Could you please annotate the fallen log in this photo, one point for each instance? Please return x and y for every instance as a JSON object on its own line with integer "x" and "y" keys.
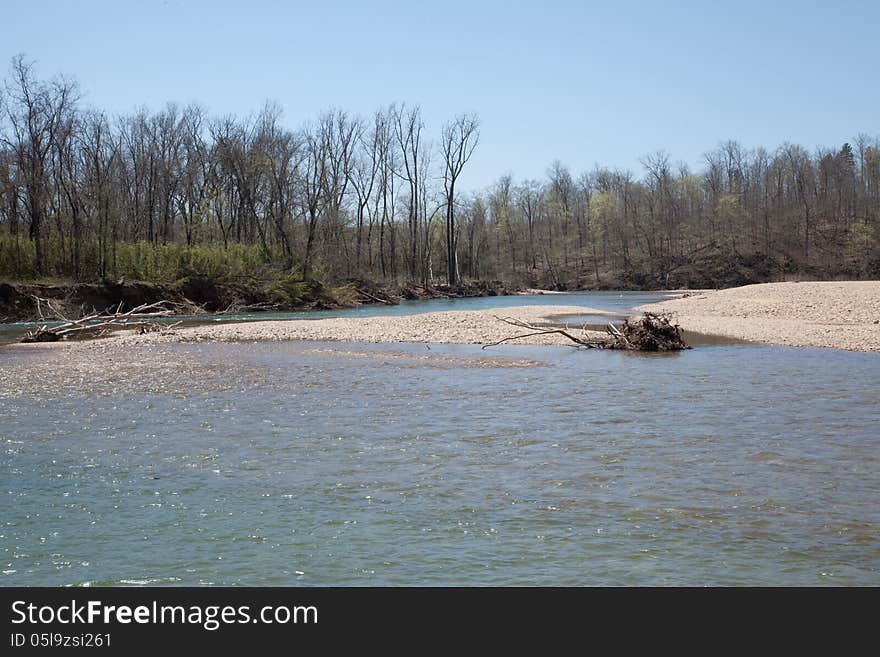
{"x": 238, "y": 309}
{"x": 95, "y": 324}
{"x": 374, "y": 298}
{"x": 538, "y": 330}
{"x": 650, "y": 333}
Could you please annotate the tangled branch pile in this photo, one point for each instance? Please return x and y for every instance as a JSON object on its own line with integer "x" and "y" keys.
{"x": 96, "y": 324}
{"x": 650, "y": 333}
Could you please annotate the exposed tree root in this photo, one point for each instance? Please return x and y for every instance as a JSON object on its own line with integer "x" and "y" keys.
{"x": 650, "y": 333}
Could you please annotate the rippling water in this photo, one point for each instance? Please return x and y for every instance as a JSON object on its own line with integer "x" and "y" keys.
{"x": 391, "y": 464}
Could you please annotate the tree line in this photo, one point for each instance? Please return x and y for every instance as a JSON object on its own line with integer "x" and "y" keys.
{"x": 748, "y": 216}
{"x": 178, "y": 192}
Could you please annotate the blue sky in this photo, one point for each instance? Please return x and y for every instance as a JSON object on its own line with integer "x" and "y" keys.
{"x": 583, "y": 82}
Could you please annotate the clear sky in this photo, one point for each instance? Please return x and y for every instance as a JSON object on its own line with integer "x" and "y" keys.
{"x": 583, "y": 82}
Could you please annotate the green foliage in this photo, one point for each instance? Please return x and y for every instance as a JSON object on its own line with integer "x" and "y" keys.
{"x": 862, "y": 237}
{"x": 17, "y": 257}
{"x": 603, "y": 209}
{"x": 345, "y": 295}
{"x": 691, "y": 187}
{"x": 154, "y": 263}
{"x": 603, "y": 206}
{"x": 164, "y": 263}
{"x": 291, "y": 290}
{"x": 732, "y": 216}
{"x": 863, "y": 246}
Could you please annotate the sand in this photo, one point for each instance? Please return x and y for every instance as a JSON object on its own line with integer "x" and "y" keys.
{"x": 840, "y": 315}
{"x": 448, "y": 327}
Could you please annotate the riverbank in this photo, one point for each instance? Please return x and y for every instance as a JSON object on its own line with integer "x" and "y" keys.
{"x": 475, "y": 327}
{"x": 204, "y": 296}
{"x": 839, "y": 315}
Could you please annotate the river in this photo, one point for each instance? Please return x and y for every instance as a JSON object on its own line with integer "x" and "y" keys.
{"x": 352, "y": 464}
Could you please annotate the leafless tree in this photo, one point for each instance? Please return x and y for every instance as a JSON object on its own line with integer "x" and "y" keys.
{"x": 458, "y": 141}
{"x": 84, "y": 195}
{"x": 36, "y": 111}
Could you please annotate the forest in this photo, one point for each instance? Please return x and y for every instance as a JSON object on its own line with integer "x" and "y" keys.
{"x": 179, "y": 193}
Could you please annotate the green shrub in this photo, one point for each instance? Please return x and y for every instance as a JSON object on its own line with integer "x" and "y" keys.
{"x": 290, "y": 289}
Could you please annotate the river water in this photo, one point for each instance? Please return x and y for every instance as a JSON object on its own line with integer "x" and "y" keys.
{"x": 352, "y": 464}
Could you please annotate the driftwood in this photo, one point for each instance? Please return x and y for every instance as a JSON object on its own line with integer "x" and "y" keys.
{"x": 237, "y": 308}
{"x": 374, "y": 298}
{"x": 538, "y": 330}
{"x": 97, "y": 323}
{"x": 650, "y": 333}
{"x": 154, "y": 327}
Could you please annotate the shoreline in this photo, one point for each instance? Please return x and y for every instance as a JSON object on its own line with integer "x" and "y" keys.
{"x": 126, "y": 361}
{"x": 475, "y": 327}
{"x": 838, "y": 315}
{"x": 195, "y": 296}
{"x": 463, "y": 327}
{"x": 835, "y": 315}
{"x": 17, "y": 306}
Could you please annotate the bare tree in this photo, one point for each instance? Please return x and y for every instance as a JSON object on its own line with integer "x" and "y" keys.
{"x": 363, "y": 180}
{"x": 195, "y": 162}
{"x": 339, "y": 134}
{"x": 100, "y": 152}
{"x": 458, "y": 141}
{"x": 84, "y": 195}
{"x": 408, "y": 127}
{"x": 36, "y": 112}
